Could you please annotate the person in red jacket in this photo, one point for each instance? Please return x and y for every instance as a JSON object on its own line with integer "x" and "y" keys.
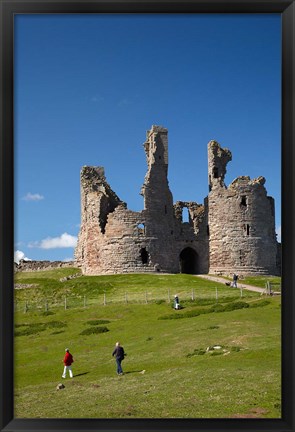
{"x": 68, "y": 360}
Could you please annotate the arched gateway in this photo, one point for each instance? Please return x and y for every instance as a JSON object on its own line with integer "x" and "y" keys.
{"x": 188, "y": 260}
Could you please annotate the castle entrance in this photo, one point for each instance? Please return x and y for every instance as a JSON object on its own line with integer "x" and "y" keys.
{"x": 188, "y": 260}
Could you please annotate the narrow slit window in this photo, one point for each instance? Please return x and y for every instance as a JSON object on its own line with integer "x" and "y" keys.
{"x": 215, "y": 172}
{"x": 248, "y": 229}
{"x": 244, "y": 201}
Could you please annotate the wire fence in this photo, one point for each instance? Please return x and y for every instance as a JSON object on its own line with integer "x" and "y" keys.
{"x": 104, "y": 299}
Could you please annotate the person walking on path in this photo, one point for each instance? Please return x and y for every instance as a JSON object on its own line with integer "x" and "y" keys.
{"x": 235, "y": 280}
{"x": 68, "y": 360}
{"x": 119, "y": 354}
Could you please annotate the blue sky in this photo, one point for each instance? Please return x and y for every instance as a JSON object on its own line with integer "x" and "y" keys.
{"x": 88, "y": 87}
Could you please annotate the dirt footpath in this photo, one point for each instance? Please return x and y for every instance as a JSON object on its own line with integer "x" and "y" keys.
{"x": 240, "y": 283}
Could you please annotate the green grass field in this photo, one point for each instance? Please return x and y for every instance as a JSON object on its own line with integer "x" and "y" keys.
{"x": 171, "y": 369}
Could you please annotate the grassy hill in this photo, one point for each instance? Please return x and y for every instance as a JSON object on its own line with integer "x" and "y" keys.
{"x": 220, "y": 347}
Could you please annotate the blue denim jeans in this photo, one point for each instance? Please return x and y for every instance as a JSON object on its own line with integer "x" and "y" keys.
{"x": 119, "y": 367}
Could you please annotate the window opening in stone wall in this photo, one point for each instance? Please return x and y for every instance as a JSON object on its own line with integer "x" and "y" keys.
{"x": 208, "y": 231}
{"x": 144, "y": 255}
{"x": 244, "y": 201}
{"x": 165, "y": 209}
{"x": 248, "y": 229}
{"x": 141, "y": 228}
{"x": 215, "y": 172}
{"x": 185, "y": 215}
{"x": 106, "y": 207}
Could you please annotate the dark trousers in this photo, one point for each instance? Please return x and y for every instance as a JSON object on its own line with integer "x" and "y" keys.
{"x": 119, "y": 367}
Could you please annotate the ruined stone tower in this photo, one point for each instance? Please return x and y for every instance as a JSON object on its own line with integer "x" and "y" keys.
{"x": 241, "y": 221}
{"x": 227, "y": 233}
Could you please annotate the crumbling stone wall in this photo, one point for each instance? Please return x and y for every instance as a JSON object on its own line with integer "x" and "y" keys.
{"x": 192, "y": 237}
{"x": 227, "y": 233}
{"x": 241, "y": 221}
{"x": 114, "y": 239}
{"x": 98, "y": 201}
{"x": 28, "y": 266}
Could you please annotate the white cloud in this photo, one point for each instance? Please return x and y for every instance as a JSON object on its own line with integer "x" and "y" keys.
{"x": 19, "y": 255}
{"x": 279, "y": 233}
{"x": 33, "y": 197}
{"x": 64, "y": 241}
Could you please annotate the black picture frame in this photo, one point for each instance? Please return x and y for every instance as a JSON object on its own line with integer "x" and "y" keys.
{"x": 8, "y": 8}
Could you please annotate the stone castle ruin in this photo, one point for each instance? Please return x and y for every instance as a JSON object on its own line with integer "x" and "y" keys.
{"x": 233, "y": 231}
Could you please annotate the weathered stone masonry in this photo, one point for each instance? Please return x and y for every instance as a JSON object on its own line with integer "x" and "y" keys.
{"x": 234, "y": 230}
{"x": 241, "y": 221}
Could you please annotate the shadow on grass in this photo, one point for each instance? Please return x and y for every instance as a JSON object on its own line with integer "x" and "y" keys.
{"x": 84, "y": 373}
{"x": 129, "y": 372}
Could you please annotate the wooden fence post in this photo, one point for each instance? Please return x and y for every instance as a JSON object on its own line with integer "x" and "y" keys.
{"x": 268, "y": 288}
